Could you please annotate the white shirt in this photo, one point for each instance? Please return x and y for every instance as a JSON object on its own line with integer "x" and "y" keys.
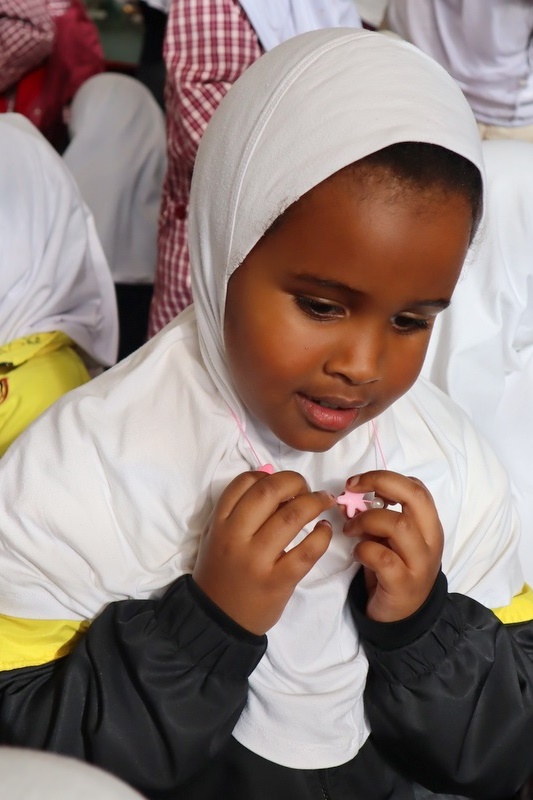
{"x": 484, "y": 44}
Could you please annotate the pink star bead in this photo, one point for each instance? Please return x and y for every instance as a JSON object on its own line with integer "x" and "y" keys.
{"x": 354, "y": 501}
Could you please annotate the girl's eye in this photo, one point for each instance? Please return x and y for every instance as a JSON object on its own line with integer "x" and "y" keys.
{"x": 318, "y": 309}
{"x": 406, "y": 324}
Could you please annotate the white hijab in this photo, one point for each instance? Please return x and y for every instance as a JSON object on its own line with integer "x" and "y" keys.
{"x": 488, "y": 330}
{"x": 274, "y": 21}
{"x": 118, "y": 157}
{"x": 350, "y": 103}
{"x": 53, "y": 272}
{"x": 135, "y": 460}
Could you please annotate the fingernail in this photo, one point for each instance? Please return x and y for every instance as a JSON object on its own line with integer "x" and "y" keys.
{"x": 352, "y": 482}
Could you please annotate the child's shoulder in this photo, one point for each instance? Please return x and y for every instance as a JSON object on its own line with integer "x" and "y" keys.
{"x": 168, "y": 368}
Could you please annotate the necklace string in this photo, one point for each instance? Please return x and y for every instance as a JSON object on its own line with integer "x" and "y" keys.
{"x": 268, "y": 468}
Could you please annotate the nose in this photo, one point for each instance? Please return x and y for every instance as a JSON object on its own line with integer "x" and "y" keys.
{"x": 358, "y": 356}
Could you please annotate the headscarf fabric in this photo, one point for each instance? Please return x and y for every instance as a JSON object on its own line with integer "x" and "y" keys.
{"x": 118, "y": 157}
{"x": 53, "y": 273}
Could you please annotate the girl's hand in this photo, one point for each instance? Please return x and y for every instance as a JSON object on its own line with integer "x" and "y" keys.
{"x": 400, "y": 552}
{"x": 242, "y": 564}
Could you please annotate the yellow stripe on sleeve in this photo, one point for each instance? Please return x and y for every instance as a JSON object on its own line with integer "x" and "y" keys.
{"x": 520, "y": 609}
{"x": 31, "y": 642}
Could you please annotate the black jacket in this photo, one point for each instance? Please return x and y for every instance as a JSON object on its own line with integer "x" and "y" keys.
{"x": 154, "y": 688}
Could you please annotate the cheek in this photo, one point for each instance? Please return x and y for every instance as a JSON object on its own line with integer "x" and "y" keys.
{"x": 404, "y": 367}
{"x": 274, "y": 345}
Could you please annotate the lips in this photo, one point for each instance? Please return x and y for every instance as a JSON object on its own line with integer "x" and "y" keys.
{"x": 329, "y": 413}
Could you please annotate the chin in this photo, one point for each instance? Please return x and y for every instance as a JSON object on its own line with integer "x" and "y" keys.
{"x": 317, "y": 442}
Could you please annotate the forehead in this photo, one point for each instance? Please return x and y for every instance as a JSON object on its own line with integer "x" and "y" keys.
{"x": 361, "y": 232}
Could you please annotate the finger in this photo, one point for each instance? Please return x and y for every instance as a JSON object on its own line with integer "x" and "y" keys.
{"x": 235, "y": 491}
{"x": 300, "y": 560}
{"x": 290, "y": 518}
{"x": 415, "y": 498}
{"x": 394, "y": 530}
{"x": 383, "y": 562}
{"x": 261, "y": 499}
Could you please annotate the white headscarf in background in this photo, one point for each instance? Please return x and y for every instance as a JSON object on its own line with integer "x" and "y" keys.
{"x": 481, "y": 351}
{"x": 118, "y": 157}
{"x": 274, "y": 21}
{"x": 136, "y": 459}
{"x": 53, "y": 272}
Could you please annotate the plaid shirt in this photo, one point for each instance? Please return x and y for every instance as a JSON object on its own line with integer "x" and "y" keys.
{"x": 209, "y": 43}
{"x": 26, "y": 38}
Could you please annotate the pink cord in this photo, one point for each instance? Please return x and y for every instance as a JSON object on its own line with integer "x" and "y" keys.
{"x": 268, "y": 468}
{"x": 378, "y": 443}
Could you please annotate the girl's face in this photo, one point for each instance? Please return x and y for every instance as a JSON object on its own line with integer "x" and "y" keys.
{"x": 329, "y": 317}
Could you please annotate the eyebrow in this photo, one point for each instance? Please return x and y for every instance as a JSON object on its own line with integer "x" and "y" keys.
{"x": 440, "y": 303}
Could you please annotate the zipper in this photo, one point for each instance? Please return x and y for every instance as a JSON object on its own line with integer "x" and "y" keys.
{"x": 322, "y": 778}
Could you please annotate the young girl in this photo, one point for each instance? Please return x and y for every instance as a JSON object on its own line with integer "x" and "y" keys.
{"x": 184, "y": 505}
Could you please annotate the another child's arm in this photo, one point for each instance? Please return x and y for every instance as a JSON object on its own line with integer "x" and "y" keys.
{"x": 449, "y": 695}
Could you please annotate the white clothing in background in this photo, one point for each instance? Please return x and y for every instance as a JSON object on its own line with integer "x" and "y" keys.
{"x": 53, "y": 272}
{"x": 371, "y": 11}
{"x": 481, "y": 352}
{"x": 159, "y": 5}
{"x": 277, "y": 20}
{"x": 33, "y": 775}
{"x": 118, "y": 157}
{"x": 150, "y": 445}
{"x": 486, "y": 45}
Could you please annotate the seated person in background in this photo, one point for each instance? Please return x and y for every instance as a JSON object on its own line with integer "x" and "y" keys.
{"x": 487, "y": 46}
{"x": 58, "y": 319}
{"x": 208, "y": 45}
{"x": 117, "y": 153}
{"x": 48, "y": 48}
{"x": 481, "y": 352}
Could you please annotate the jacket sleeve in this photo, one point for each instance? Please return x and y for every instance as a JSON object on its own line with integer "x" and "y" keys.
{"x": 151, "y": 692}
{"x": 449, "y": 694}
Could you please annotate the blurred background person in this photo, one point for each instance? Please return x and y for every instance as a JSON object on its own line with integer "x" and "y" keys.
{"x": 58, "y": 318}
{"x": 117, "y": 153}
{"x": 487, "y": 46}
{"x": 48, "y": 48}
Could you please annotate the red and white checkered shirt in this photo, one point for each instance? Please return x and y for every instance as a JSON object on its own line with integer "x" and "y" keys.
{"x": 209, "y": 44}
{"x": 26, "y": 38}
